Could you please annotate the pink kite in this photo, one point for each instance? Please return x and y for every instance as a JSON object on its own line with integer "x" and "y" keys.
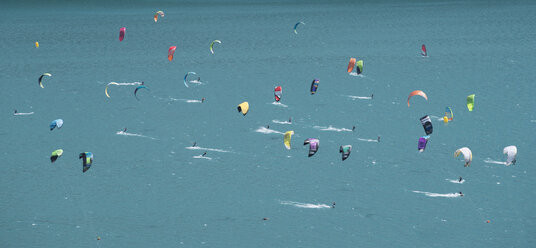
{"x": 122, "y": 33}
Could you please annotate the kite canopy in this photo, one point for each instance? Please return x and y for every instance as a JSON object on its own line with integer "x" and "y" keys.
{"x": 212, "y": 45}
{"x": 243, "y": 108}
{"x": 186, "y": 76}
{"x": 422, "y": 143}
{"x": 87, "y": 160}
{"x": 417, "y": 93}
{"x": 427, "y": 124}
{"x": 41, "y": 78}
{"x": 314, "y": 86}
{"x": 106, "y": 89}
{"x": 351, "y": 65}
{"x": 359, "y": 67}
{"x": 511, "y": 153}
{"x": 170, "y": 52}
{"x": 467, "y": 155}
{"x": 56, "y": 124}
{"x": 345, "y": 150}
{"x": 278, "y": 91}
{"x": 136, "y": 91}
{"x": 423, "y": 50}
{"x": 122, "y": 33}
{"x": 470, "y": 102}
{"x": 36, "y": 44}
{"x": 296, "y": 26}
{"x": 55, "y": 155}
{"x": 160, "y": 12}
{"x": 449, "y": 115}
{"x": 286, "y": 139}
{"x": 313, "y": 145}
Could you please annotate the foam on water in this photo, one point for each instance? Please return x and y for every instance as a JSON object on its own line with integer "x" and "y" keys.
{"x": 186, "y": 100}
{"x": 279, "y": 104}
{"x": 448, "y": 195}
{"x": 267, "y": 130}
{"x": 30, "y": 113}
{"x": 304, "y": 205}
{"x": 281, "y": 122}
{"x": 368, "y": 140}
{"x": 455, "y": 180}
{"x": 331, "y": 128}
{"x": 206, "y": 149}
{"x": 490, "y": 161}
{"x": 202, "y": 157}
{"x": 361, "y": 97}
{"x": 133, "y": 135}
{"x": 133, "y": 83}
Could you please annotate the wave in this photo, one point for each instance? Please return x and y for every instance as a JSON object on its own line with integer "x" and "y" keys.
{"x": 133, "y": 134}
{"x": 206, "y": 149}
{"x": 490, "y": 161}
{"x": 203, "y": 157}
{"x": 267, "y": 130}
{"x": 455, "y": 180}
{"x": 448, "y": 195}
{"x": 279, "y": 104}
{"x": 304, "y": 205}
{"x": 31, "y": 113}
{"x": 361, "y": 97}
{"x": 331, "y": 128}
{"x": 368, "y": 140}
{"x": 281, "y": 122}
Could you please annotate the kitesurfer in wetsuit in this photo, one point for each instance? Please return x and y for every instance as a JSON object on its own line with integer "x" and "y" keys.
{"x": 353, "y": 128}
{"x": 267, "y": 126}
{"x": 15, "y": 111}
{"x": 290, "y": 119}
{"x": 333, "y": 205}
{"x": 460, "y": 180}
{"x": 461, "y": 194}
{"x": 195, "y": 143}
{"x": 124, "y": 130}
{"x": 205, "y": 153}
{"x": 372, "y": 96}
{"x": 142, "y": 83}
{"x": 378, "y": 138}
{"x": 202, "y": 100}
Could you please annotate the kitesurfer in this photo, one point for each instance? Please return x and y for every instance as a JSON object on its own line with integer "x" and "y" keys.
{"x": 142, "y": 83}
{"x": 195, "y": 143}
{"x": 202, "y": 100}
{"x": 204, "y": 153}
{"x": 333, "y": 205}
{"x": 198, "y": 79}
{"x": 378, "y": 138}
{"x": 15, "y": 111}
{"x": 267, "y": 126}
{"x": 372, "y": 96}
{"x": 461, "y": 194}
{"x": 290, "y": 119}
{"x": 353, "y": 128}
{"x": 125, "y": 130}
{"x": 460, "y": 180}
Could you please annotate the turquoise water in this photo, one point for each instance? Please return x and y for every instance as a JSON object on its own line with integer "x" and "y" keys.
{"x": 145, "y": 189}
